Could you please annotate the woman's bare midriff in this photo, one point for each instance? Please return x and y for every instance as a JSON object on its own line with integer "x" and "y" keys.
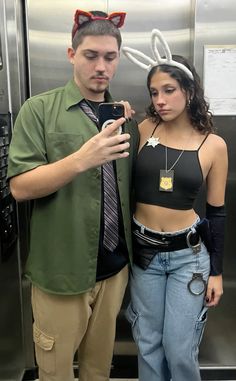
{"x": 164, "y": 219}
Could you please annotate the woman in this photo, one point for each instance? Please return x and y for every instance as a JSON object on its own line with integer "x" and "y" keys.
{"x": 174, "y": 279}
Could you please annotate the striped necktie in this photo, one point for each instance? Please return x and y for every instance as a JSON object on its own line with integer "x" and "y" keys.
{"x": 110, "y": 197}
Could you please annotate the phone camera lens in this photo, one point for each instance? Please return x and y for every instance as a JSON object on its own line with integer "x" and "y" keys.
{"x": 117, "y": 110}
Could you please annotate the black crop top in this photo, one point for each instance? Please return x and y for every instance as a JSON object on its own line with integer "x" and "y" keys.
{"x": 188, "y": 177}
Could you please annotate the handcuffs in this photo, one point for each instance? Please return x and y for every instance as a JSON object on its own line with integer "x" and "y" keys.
{"x": 197, "y": 285}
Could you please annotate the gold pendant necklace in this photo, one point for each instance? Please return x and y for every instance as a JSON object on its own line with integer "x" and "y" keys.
{"x": 167, "y": 175}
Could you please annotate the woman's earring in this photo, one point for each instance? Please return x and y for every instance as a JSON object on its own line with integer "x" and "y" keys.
{"x": 189, "y": 103}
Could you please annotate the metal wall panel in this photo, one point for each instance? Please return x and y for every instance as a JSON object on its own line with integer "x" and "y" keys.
{"x": 187, "y": 26}
{"x": 50, "y": 36}
{"x": 48, "y": 39}
{"x": 11, "y": 325}
{"x": 215, "y": 24}
{"x": 173, "y": 18}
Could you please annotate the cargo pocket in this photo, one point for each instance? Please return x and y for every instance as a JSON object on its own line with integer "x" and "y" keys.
{"x": 133, "y": 318}
{"x": 44, "y": 350}
{"x": 199, "y": 327}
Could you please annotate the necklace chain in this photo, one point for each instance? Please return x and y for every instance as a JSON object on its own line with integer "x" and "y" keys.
{"x": 178, "y": 158}
{"x": 176, "y": 161}
{"x": 157, "y": 140}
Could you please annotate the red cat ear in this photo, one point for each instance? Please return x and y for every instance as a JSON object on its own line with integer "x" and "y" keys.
{"x": 117, "y": 18}
{"x": 80, "y": 18}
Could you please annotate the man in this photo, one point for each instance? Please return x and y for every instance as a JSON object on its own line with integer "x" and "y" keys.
{"x": 59, "y": 159}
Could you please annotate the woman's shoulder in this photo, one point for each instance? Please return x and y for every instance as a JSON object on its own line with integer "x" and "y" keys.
{"x": 216, "y": 142}
{"x": 214, "y": 146}
{"x": 146, "y": 124}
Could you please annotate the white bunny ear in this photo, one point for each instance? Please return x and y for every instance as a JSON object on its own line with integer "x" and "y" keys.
{"x": 156, "y": 34}
{"x": 131, "y": 53}
{"x": 168, "y": 60}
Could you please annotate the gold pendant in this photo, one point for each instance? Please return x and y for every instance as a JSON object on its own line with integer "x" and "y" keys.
{"x": 166, "y": 180}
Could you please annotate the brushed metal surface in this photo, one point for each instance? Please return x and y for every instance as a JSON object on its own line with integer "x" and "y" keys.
{"x": 48, "y": 40}
{"x": 172, "y": 18}
{"x": 4, "y": 97}
{"x": 188, "y": 25}
{"x": 12, "y": 362}
{"x": 215, "y": 23}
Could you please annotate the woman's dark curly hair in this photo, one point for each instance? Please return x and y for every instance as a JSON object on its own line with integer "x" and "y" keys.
{"x": 198, "y": 109}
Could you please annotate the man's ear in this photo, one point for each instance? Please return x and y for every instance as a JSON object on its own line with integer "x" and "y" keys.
{"x": 71, "y": 55}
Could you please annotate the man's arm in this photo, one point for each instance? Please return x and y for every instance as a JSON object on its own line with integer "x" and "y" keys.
{"x": 48, "y": 178}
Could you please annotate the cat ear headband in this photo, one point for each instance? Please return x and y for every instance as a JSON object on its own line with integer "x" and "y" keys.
{"x": 131, "y": 54}
{"x": 117, "y": 18}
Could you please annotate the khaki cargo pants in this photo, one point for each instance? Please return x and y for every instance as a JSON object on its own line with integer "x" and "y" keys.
{"x": 62, "y": 324}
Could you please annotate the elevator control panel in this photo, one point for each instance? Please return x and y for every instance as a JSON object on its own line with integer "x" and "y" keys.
{"x": 8, "y": 225}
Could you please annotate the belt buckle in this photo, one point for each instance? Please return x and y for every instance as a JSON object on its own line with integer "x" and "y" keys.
{"x": 163, "y": 241}
{"x": 195, "y": 248}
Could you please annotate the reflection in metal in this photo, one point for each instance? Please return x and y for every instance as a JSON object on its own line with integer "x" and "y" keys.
{"x": 11, "y": 324}
{"x": 187, "y": 26}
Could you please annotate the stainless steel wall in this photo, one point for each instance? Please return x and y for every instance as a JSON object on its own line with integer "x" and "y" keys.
{"x": 11, "y": 317}
{"x": 187, "y": 25}
{"x": 50, "y": 36}
{"x": 215, "y": 24}
{"x": 48, "y": 41}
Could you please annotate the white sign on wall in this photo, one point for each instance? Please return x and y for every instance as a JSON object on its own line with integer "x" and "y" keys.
{"x": 219, "y": 78}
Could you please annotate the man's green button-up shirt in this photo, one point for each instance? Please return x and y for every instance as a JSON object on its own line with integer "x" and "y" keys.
{"x": 65, "y": 226}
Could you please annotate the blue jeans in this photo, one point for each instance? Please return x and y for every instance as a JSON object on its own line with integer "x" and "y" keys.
{"x": 167, "y": 319}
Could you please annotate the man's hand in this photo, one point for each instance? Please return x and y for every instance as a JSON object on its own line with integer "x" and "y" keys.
{"x": 103, "y": 147}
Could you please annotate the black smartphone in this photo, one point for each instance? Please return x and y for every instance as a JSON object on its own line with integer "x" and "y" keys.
{"x": 108, "y": 113}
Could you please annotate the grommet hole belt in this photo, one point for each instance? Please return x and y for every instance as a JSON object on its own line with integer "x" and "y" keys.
{"x": 166, "y": 242}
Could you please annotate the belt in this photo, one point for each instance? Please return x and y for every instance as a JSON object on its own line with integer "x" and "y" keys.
{"x": 166, "y": 242}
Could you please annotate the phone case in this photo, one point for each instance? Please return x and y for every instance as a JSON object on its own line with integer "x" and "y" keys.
{"x": 108, "y": 113}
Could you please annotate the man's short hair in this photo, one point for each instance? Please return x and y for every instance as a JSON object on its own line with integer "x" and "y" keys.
{"x": 96, "y": 28}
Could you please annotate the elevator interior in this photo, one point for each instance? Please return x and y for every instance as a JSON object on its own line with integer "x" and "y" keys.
{"x": 34, "y": 36}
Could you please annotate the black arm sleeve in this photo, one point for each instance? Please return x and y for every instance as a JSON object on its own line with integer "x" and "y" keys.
{"x": 216, "y": 217}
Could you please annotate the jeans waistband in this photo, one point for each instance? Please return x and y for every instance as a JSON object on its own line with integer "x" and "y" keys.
{"x": 182, "y": 231}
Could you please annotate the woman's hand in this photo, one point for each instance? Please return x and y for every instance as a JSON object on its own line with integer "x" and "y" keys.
{"x": 214, "y": 290}
{"x": 129, "y": 112}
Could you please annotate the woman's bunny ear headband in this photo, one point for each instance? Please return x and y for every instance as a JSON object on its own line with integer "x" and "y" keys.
{"x": 131, "y": 54}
